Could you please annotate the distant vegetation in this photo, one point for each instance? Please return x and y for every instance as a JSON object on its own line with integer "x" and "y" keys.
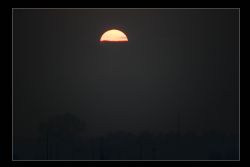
{"x": 62, "y": 138}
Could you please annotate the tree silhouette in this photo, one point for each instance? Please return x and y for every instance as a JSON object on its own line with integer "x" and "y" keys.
{"x": 61, "y": 133}
{"x": 62, "y": 138}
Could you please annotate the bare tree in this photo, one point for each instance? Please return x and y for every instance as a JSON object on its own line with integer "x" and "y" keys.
{"x": 66, "y": 129}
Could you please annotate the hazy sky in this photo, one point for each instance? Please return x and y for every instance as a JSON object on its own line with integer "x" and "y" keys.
{"x": 176, "y": 61}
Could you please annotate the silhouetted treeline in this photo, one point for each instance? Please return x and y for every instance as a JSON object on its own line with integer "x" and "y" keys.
{"x": 61, "y": 138}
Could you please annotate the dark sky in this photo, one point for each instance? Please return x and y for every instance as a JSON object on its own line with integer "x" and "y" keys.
{"x": 177, "y": 61}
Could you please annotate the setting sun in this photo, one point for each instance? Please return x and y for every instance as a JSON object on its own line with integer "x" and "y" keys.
{"x": 114, "y": 36}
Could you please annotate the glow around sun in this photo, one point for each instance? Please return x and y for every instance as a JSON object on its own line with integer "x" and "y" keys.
{"x": 114, "y": 36}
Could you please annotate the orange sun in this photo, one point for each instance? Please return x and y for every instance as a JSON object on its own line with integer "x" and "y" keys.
{"x": 114, "y": 36}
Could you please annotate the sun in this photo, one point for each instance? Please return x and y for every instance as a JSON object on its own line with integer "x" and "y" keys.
{"x": 114, "y": 36}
